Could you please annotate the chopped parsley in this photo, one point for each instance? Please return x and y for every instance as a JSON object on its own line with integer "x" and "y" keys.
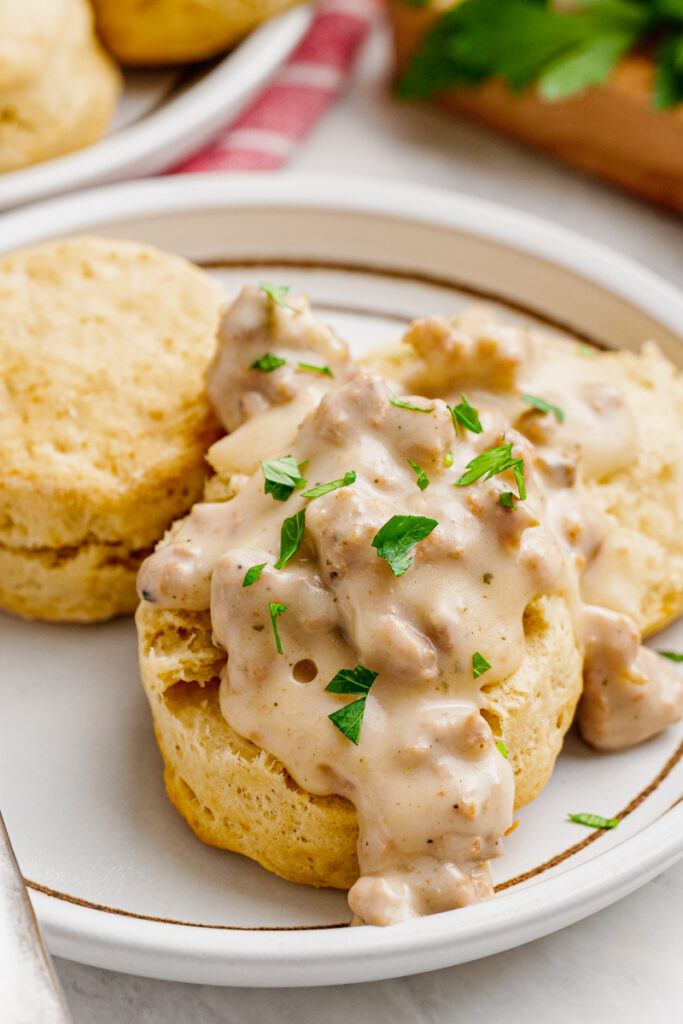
{"x": 356, "y": 681}
{"x": 397, "y": 538}
{"x": 594, "y": 820}
{"x": 503, "y": 749}
{"x": 400, "y": 404}
{"x": 543, "y": 406}
{"x": 671, "y": 655}
{"x": 277, "y": 294}
{"x": 276, "y": 609}
{"x": 507, "y": 500}
{"x": 467, "y": 415}
{"x": 479, "y": 665}
{"x": 291, "y": 535}
{"x": 490, "y": 463}
{"x": 316, "y": 369}
{"x": 561, "y": 49}
{"x": 267, "y": 363}
{"x": 282, "y": 476}
{"x": 422, "y": 478}
{"x": 253, "y": 574}
{"x": 586, "y": 351}
{"x": 448, "y": 460}
{"x": 334, "y": 485}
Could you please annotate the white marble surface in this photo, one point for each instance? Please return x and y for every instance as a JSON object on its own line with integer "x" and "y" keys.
{"x": 620, "y": 965}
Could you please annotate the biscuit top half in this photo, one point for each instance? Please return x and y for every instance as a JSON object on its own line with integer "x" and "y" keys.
{"x": 103, "y": 349}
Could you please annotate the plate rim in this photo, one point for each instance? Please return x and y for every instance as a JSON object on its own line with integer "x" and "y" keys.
{"x": 277, "y": 958}
{"x": 171, "y": 131}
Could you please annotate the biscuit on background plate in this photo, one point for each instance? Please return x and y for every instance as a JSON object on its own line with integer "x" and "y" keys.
{"x": 66, "y": 100}
{"x": 175, "y": 31}
{"x": 103, "y": 418}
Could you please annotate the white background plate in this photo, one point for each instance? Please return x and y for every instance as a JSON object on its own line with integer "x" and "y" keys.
{"x": 116, "y": 877}
{"x": 163, "y": 116}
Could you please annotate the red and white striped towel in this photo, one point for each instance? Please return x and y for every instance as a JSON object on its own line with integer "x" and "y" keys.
{"x": 264, "y": 135}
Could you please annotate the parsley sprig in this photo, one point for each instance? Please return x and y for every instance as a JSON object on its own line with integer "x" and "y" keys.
{"x": 397, "y": 538}
{"x": 282, "y": 477}
{"x": 252, "y": 574}
{"x": 334, "y": 485}
{"x": 543, "y": 406}
{"x": 479, "y": 665}
{"x": 400, "y": 404}
{"x": 316, "y": 369}
{"x": 277, "y": 294}
{"x": 594, "y": 820}
{"x": 422, "y": 478}
{"x": 671, "y": 655}
{"x": 267, "y": 363}
{"x": 529, "y": 42}
{"x": 492, "y": 462}
{"x": 467, "y": 415}
{"x": 291, "y": 535}
{"x": 356, "y": 681}
{"x": 276, "y": 609}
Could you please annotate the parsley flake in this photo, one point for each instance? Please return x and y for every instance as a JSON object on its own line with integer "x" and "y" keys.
{"x": 334, "y": 485}
{"x": 467, "y": 415}
{"x": 422, "y": 478}
{"x": 349, "y": 719}
{"x": 479, "y": 665}
{"x": 671, "y": 655}
{"x": 594, "y": 820}
{"x": 503, "y": 749}
{"x": 543, "y": 406}
{"x": 277, "y": 294}
{"x": 291, "y": 535}
{"x": 397, "y": 538}
{"x": 316, "y": 369}
{"x": 448, "y": 460}
{"x": 276, "y": 609}
{"x": 252, "y": 574}
{"x": 400, "y": 404}
{"x": 267, "y": 363}
{"x": 282, "y": 476}
{"x": 490, "y": 463}
{"x": 507, "y": 500}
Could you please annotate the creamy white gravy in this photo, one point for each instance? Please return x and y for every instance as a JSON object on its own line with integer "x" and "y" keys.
{"x": 433, "y": 792}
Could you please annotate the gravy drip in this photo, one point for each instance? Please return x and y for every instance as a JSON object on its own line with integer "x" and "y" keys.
{"x": 433, "y": 792}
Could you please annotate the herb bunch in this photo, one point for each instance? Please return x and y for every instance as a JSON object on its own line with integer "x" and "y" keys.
{"x": 527, "y": 42}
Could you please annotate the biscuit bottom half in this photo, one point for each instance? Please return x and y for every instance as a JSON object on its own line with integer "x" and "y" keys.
{"x": 236, "y": 796}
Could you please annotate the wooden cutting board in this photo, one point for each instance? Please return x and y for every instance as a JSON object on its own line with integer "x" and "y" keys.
{"x": 610, "y": 130}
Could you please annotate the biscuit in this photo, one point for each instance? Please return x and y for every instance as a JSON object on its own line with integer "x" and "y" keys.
{"x": 103, "y": 418}
{"x": 67, "y": 104}
{"x": 175, "y": 31}
{"x": 29, "y": 31}
{"x": 238, "y": 797}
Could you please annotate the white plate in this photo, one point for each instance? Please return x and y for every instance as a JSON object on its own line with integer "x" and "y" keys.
{"x": 163, "y": 116}
{"x": 116, "y": 877}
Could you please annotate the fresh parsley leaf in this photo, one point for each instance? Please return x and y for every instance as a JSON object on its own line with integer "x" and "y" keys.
{"x": 291, "y": 535}
{"x": 503, "y": 749}
{"x": 422, "y": 478}
{"x": 507, "y": 500}
{"x": 277, "y": 294}
{"x": 334, "y": 485}
{"x": 400, "y": 404}
{"x": 490, "y": 463}
{"x": 467, "y": 415}
{"x": 276, "y": 609}
{"x": 397, "y": 538}
{"x": 356, "y": 680}
{"x": 479, "y": 665}
{"x": 594, "y": 820}
{"x": 562, "y": 51}
{"x": 671, "y": 655}
{"x": 540, "y": 403}
{"x": 448, "y": 460}
{"x": 349, "y": 719}
{"x": 252, "y": 574}
{"x": 282, "y": 476}
{"x": 316, "y": 369}
{"x": 267, "y": 363}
